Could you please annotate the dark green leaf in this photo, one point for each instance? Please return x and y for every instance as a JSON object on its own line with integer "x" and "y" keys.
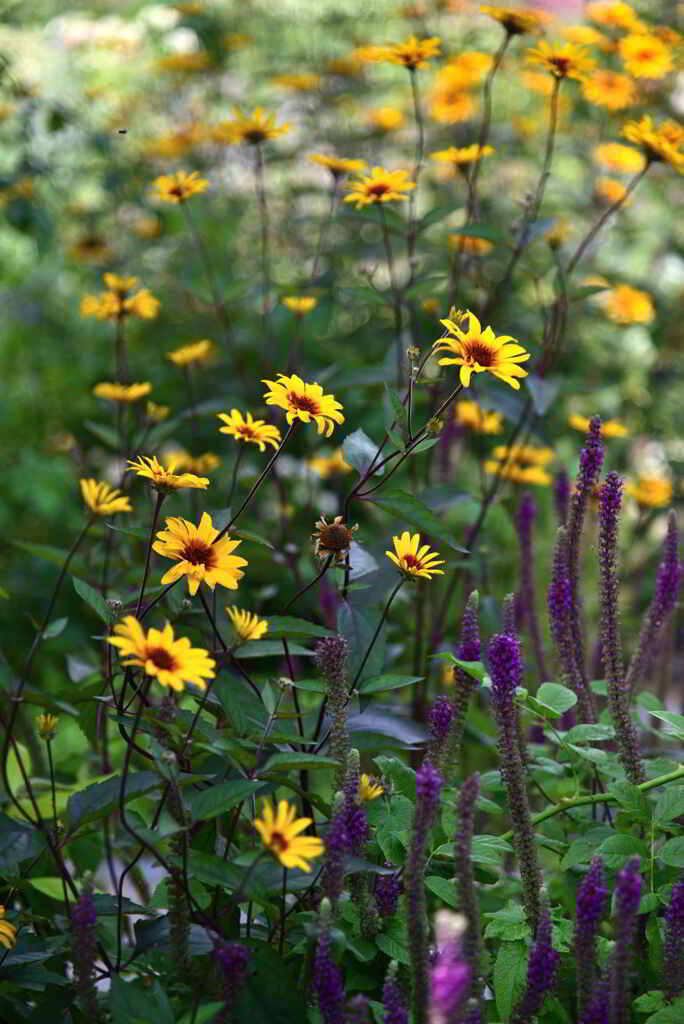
{"x": 670, "y": 804}
{"x": 94, "y": 598}
{"x": 410, "y": 509}
{"x": 100, "y": 798}
{"x": 632, "y": 799}
{"x": 510, "y": 970}
{"x": 287, "y": 626}
{"x": 209, "y": 803}
{"x": 556, "y": 697}
{"x": 379, "y": 684}
{"x": 18, "y": 842}
{"x": 618, "y": 849}
{"x": 282, "y": 762}
{"x": 672, "y": 852}
{"x": 270, "y": 649}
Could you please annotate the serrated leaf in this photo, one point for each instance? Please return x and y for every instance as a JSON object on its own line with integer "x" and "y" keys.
{"x": 412, "y": 510}
{"x": 510, "y": 970}
{"x": 94, "y": 598}
{"x": 618, "y": 849}
{"x": 632, "y": 799}
{"x": 445, "y": 889}
{"x": 670, "y": 804}
{"x": 672, "y": 852}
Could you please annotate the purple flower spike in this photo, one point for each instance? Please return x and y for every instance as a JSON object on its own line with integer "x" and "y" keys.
{"x": 396, "y": 1011}
{"x": 84, "y": 951}
{"x": 591, "y": 900}
{"x": 559, "y": 601}
{"x": 673, "y": 954}
{"x": 541, "y": 974}
{"x": 627, "y": 898}
{"x": 439, "y": 717}
{"x": 428, "y": 786}
{"x": 450, "y": 975}
{"x": 232, "y": 959}
{"x": 327, "y": 977}
{"x": 388, "y": 889}
{"x": 469, "y": 649}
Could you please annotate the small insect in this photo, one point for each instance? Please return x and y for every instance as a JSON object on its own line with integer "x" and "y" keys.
{"x": 123, "y": 131}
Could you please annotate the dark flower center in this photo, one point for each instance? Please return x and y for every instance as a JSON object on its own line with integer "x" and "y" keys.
{"x": 379, "y": 188}
{"x": 303, "y": 402}
{"x": 335, "y": 537}
{"x": 199, "y": 553}
{"x": 178, "y": 191}
{"x": 246, "y": 432}
{"x": 162, "y": 659}
{"x": 561, "y": 64}
{"x": 278, "y": 841}
{"x": 477, "y": 352}
{"x": 255, "y": 135}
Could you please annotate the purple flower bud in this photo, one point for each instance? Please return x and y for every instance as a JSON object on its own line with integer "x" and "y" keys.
{"x": 396, "y": 1011}
{"x": 560, "y": 622}
{"x": 439, "y": 719}
{"x": 336, "y": 845}
{"x": 591, "y": 899}
{"x": 469, "y": 643}
{"x": 541, "y": 973}
{"x": 84, "y": 951}
{"x": 330, "y": 656}
{"x": 673, "y": 953}
{"x": 232, "y": 959}
{"x": 505, "y": 666}
{"x": 627, "y": 898}
{"x": 428, "y": 786}
{"x": 357, "y": 1011}
{"x": 327, "y": 977}
{"x": 388, "y": 889}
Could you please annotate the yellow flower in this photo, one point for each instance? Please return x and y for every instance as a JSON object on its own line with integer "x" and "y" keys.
{"x": 609, "y": 428}
{"x": 305, "y": 402}
{"x": 558, "y": 233}
{"x": 534, "y": 475}
{"x": 616, "y": 157}
{"x": 253, "y": 129}
{"x": 385, "y": 119}
{"x": 328, "y": 465}
{"x": 459, "y": 156}
{"x": 205, "y": 463}
{"x": 563, "y": 60}
{"x": 627, "y": 305}
{"x": 8, "y": 933}
{"x": 47, "y": 726}
{"x": 516, "y": 20}
{"x": 280, "y": 834}
{"x": 469, "y": 244}
{"x": 645, "y": 56}
{"x": 143, "y": 304}
{"x": 155, "y": 412}
{"x": 176, "y": 188}
{"x": 333, "y": 539}
{"x": 431, "y": 305}
{"x": 412, "y": 53}
{"x": 610, "y": 190}
{"x": 302, "y": 81}
{"x": 195, "y": 352}
{"x": 120, "y": 284}
{"x": 197, "y": 556}
{"x": 300, "y": 304}
{"x": 658, "y": 144}
{"x": 337, "y": 165}
{"x": 173, "y": 662}
{"x": 184, "y": 62}
{"x": 102, "y": 499}
{"x": 178, "y": 143}
{"x": 651, "y": 491}
{"x": 248, "y": 429}
{"x": 613, "y": 14}
{"x": 449, "y": 100}
{"x": 247, "y": 626}
{"x": 122, "y": 392}
{"x": 469, "y": 67}
{"x": 526, "y": 454}
{"x": 163, "y": 478}
{"x": 478, "y": 351}
{"x": 413, "y": 560}
{"x": 609, "y": 89}
{"x": 472, "y": 416}
{"x": 538, "y": 82}
{"x": 381, "y": 186}
{"x": 369, "y": 789}
{"x": 585, "y": 35}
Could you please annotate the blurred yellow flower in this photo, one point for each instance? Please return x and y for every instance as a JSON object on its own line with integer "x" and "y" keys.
{"x": 449, "y": 101}
{"x": 479, "y": 351}
{"x": 385, "y": 119}
{"x": 369, "y": 789}
{"x": 538, "y": 82}
{"x": 198, "y": 555}
{"x": 432, "y": 305}
{"x": 413, "y": 560}
{"x": 164, "y": 478}
{"x": 176, "y": 188}
{"x": 194, "y": 352}
{"x": 280, "y": 834}
{"x": 474, "y": 417}
{"x": 525, "y": 454}
{"x": 614, "y": 14}
{"x": 518, "y": 474}
{"x": 658, "y": 144}
{"x": 246, "y": 625}
{"x": 645, "y": 56}
{"x": 303, "y": 81}
{"x": 470, "y": 244}
{"x": 102, "y": 499}
{"x": 609, "y": 428}
{"x": 117, "y": 303}
{"x": 173, "y": 662}
{"x": 609, "y": 190}
{"x": 585, "y": 35}
{"x": 562, "y": 60}
{"x": 337, "y": 165}
{"x": 650, "y": 491}
{"x": 177, "y": 143}
{"x": 252, "y": 129}
{"x": 412, "y": 53}
{"x": 47, "y": 726}
{"x": 627, "y": 305}
{"x": 184, "y": 62}
{"x": 8, "y": 933}
{"x": 246, "y": 428}
{"x": 381, "y": 186}
{"x": 300, "y": 304}
{"x": 328, "y": 465}
{"x": 155, "y": 412}
{"x": 517, "y": 20}
{"x": 122, "y": 392}
{"x": 469, "y": 67}
{"x": 609, "y": 89}
{"x": 305, "y": 402}
{"x": 461, "y": 155}
{"x": 143, "y": 304}
{"x": 559, "y": 232}
{"x": 199, "y": 464}
{"x": 616, "y": 157}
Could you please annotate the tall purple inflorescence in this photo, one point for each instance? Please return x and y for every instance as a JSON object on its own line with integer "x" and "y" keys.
{"x": 591, "y": 461}
{"x": 525, "y": 518}
{"x": 627, "y": 899}
{"x": 428, "y": 786}
{"x": 84, "y": 951}
{"x": 465, "y": 879}
{"x": 618, "y": 694}
{"x": 357, "y": 1011}
{"x": 468, "y": 650}
{"x": 396, "y": 1011}
{"x": 505, "y": 666}
{"x": 591, "y": 899}
{"x": 330, "y": 656}
{"x": 439, "y": 719}
{"x": 449, "y": 974}
{"x": 232, "y": 959}
{"x": 561, "y": 496}
{"x": 327, "y": 977}
{"x": 388, "y": 889}
{"x": 336, "y": 845}
{"x": 541, "y": 974}
{"x": 559, "y": 600}
{"x": 673, "y": 953}
{"x": 668, "y": 582}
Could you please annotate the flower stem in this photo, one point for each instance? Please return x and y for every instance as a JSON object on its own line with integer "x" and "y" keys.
{"x": 233, "y": 479}
{"x": 205, "y": 260}
{"x": 257, "y": 485}
{"x": 376, "y": 633}
{"x": 591, "y": 235}
{"x": 155, "y": 519}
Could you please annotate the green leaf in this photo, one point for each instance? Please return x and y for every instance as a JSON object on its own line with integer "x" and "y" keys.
{"x": 438, "y": 213}
{"x": 404, "y": 779}
{"x": 445, "y": 889}
{"x": 671, "y": 1014}
{"x": 412, "y": 510}
{"x": 586, "y": 290}
{"x": 283, "y": 762}
{"x": 100, "y": 798}
{"x": 270, "y": 649}
{"x": 131, "y": 1002}
{"x": 310, "y": 685}
{"x": 18, "y": 842}
{"x": 359, "y": 451}
{"x": 670, "y": 804}
{"x": 590, "y": 733}
{"x": 209, "y": 803}
{"x": 286, "y": 626}
{"x": 254, "y": 537}
{"x": 510, "y": 970}
{"x": 213, "y": 870}
{"x": 649, "y": 1001}
{"x": 471, "y": 668}
{"x": 632, "y": 799}
{"x": 379, "y": 684}
{"x": 94, "y": 598}
{"x": 399, "y": 411}
{"x": 673, "y": 720}
{"x": 54, "y": 628}
{"x": 51, "y": 887}
{"x": 618, "y": 849}
{"x": 56, "y": 556}
{"x": 672, "y": 852}
{"x": 508, "y": 923}
{"x": 394, "y": 942}
{"x": 488, "y": 231}
{"x": 543, "y": 392}
{"x": 556, "y": 697}
{"x": 103, "y": 433}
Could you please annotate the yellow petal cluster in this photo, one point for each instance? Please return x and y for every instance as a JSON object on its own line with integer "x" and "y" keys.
{"x": 478, "y": 351}
{"x": 172, "y": 662}
{"x": 102, "y": 499}
{"x": 246, "y": 428}
{"x": 306, "y": 402}
{"x": 280, "y": 834}
{"x": 246, "y": 625}
{"x": 163, "y": 477}
{"x": 412, "y": 559}
{"x": 198, "y": 555}
{"x": 381, "y": 186}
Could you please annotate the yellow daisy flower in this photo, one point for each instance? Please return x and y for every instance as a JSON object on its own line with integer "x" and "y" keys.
{"x": 412, "y": 53}
{"x": 385, "y": 119}
{"x": 369, "y": 789}
{"x": 47, "y": 726}
{"x": 173, "y": 662}
{"x": 585, "y": 35}
{"x": 197, "y": 556}
{"x": 123, "y": 285}
{"x": 478, "y": 351}
{"x": 337, "y": 165}
{"x": 122, "y": 392}
{"x": 254, "y": 129}
{"x": 610, "y": 90}
{"x": 195, "y": 352}
{"x": 626, "y": 305}
{"x": 526, "y": 475}
{"x": 614, "y": 14}
{"x": 305, "y": 402}
{"x": 661, "y": 144}
{"x": 413, "y": 560}
{"x": 184, "y": 62}
{"x": 470, "y": 244}
{"x": 329, "y": 465}
{"x": 117, "y": 303}
{"x": 470, "y": 67}
{"x": 163, "y": 478}
{"x": 155, "y": 412}
{"x": 205, "y": 463}
{"x": 449, "y": 101}
{"x": 280, "y": 834}
{"x": 381, "y": 186}
{"x": 176, "y": 188}
{"x": 526, "y": 454}
{"x": 303, "y": 81}
{"x": 458, "y": 156}
{"x": 8, "y": 933}
{"x": 102, "y": 499}
{"x": 300, "y": 304}
{"x": 609, "y": 428}
{"x": 472, "y": 416}
{"x": 563, "y": 60}
{"x": 246, "y": 428}
{"x": 516, "y": 20}
{"x": 651, "y": 491}
{"x": 645, "y": 56}
{"x": 616, "y": 157}
{"x": 247, "y": 625}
